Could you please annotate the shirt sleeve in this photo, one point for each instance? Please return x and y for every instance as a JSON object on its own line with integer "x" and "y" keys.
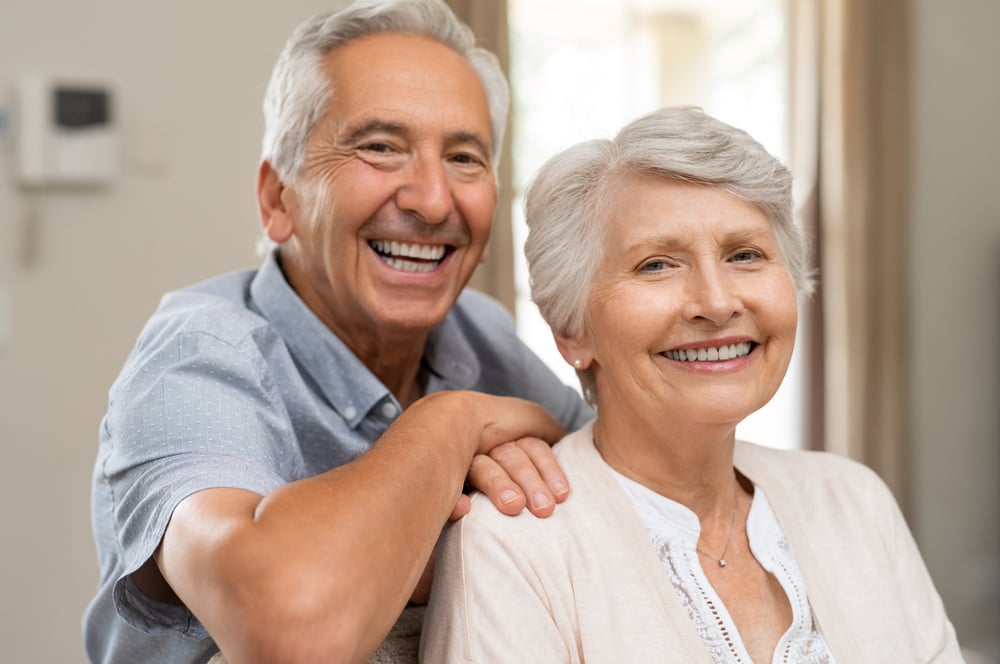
{"x": 197, "y": 412}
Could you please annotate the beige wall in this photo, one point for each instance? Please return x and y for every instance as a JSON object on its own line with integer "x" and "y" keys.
{"x": 189, "y": 77}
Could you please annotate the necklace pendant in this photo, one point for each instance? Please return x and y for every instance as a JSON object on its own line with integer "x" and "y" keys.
{"x": 722, "y": 562}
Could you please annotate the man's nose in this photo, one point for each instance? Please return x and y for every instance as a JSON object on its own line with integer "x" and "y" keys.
{"x": 426, "y": 191}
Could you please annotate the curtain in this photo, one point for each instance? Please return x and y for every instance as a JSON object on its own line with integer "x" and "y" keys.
{"x": 488, "y": 21}
{"x": 849, "y": 123}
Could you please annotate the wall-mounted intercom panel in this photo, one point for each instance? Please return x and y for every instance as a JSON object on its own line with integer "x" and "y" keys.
{"x": 66, "y": 133}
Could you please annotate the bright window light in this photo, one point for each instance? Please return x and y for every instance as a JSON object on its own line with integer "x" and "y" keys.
{"x": 581, "y": 69}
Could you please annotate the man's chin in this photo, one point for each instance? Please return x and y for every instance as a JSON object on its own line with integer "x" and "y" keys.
{"x": 412, "y": 316}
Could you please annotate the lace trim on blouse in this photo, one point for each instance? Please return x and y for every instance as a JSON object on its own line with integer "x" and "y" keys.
{"x": 674, "y": 530}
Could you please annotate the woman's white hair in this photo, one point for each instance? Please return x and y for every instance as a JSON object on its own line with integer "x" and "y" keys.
{"x": 299, "y": 93}
{"x": 568, "y": 201}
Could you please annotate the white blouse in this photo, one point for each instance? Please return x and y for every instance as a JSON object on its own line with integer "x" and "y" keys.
{"x": 674, "y": 530}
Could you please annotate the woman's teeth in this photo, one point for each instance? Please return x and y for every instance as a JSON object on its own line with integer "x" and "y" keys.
{"x": 711, "y": 354}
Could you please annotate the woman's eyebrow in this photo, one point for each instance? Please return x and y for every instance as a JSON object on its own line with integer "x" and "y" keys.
{"x": 665, "y": 241}
{"x": 658, "y": 240}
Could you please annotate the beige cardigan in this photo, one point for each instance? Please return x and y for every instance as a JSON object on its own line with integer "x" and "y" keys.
{"x": 586, "y": 584}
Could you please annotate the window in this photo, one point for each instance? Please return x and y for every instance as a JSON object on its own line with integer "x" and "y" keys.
{"x": 581, "y": 69}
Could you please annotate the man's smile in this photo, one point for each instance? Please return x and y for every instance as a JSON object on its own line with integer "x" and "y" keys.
{"x": 410, "y": 257}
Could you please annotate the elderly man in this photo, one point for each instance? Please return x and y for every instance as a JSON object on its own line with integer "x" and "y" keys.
{"x": 284, "y": 445}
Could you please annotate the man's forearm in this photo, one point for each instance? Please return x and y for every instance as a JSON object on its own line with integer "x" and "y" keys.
{"x": 323, "y": 566}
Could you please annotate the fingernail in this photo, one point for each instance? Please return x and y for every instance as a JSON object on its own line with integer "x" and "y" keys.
{"x": 541, "y": 500}
{"x": 507, "y": 496}
{"x": 559, "y": 487}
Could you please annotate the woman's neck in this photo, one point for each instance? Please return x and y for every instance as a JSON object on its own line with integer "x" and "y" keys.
{"x": 691, "y": 465}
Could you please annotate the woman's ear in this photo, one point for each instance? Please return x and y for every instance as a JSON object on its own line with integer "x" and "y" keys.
{"x": 576, "y": 352}
{"x": 274, "y": 215}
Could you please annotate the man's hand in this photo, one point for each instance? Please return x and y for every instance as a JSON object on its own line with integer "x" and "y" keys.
{"x": 516, "y": 470}
{"x": 518, "y": 473}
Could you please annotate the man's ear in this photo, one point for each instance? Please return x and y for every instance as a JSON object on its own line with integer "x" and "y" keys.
{"x": 274, "y": 215}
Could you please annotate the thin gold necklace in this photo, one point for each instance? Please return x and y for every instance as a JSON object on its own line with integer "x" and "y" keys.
{"x": 721, "y": 560}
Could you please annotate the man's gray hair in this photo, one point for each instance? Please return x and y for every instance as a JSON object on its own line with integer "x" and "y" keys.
{"x": 299, "y": 93}
{"x": 567, "y": 203}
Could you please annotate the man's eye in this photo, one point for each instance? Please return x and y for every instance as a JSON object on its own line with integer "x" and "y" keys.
{"x": 466, "y": 159}
{"x": 381, "y": 148}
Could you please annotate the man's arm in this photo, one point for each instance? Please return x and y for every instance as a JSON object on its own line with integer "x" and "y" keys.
{"x": 320, "y": 569}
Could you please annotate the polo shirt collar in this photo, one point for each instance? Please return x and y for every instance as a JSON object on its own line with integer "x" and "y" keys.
{"x": 449, "y": 357}
{"x": 348, "y": 385}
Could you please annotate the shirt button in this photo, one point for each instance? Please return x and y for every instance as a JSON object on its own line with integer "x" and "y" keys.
{"x": 350, "y": 412}
{"x": 389, "y": 409}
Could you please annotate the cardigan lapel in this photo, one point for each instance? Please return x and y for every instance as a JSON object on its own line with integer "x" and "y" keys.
{"x": 751, "y": 460}
{"x": 618, "y": 515}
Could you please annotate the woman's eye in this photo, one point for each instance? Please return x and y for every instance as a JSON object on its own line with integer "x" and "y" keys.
{"x": 746, "y": 256}
{"x": 654, "y": 266}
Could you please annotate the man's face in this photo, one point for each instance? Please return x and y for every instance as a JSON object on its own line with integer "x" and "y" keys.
{"x": 397, "y": 192}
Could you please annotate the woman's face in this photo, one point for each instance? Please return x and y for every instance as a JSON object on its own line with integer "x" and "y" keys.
{"x": 692, "y": 313}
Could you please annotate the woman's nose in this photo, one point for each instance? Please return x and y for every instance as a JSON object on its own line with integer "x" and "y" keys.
{"x": 712, "y": 296}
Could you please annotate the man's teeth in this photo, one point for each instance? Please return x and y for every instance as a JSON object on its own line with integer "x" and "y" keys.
{"x": 396, "y": 253}
{"x": 720, "y": 354}
{"x": 430, "y": 252}
{"x": 408, "y": 266}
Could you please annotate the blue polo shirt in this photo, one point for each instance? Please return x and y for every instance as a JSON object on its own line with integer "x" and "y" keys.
{"x": 234, "y": 382}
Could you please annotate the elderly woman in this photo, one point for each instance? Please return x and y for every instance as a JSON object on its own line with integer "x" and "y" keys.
{"x": 668, "y": 266}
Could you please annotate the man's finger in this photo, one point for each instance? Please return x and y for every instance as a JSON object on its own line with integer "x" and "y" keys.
{"x": 520, "y": 468}
{"x": 461, "y": 508}
{"x": 544, "y": 461}
{"x": 488, "y": 476}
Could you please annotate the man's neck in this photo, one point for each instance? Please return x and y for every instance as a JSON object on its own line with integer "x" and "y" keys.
{"x": 396, "y": 363}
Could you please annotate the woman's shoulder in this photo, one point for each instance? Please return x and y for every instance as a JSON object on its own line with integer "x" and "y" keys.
{"x": 811, "y": 461}
{"x": 827, "y": 477}
{"x": 574, "y": 454}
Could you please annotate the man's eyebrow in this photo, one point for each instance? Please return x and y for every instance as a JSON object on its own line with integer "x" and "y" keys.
{"x": 469, "y": 137}
{"x": 376, "y": 126}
